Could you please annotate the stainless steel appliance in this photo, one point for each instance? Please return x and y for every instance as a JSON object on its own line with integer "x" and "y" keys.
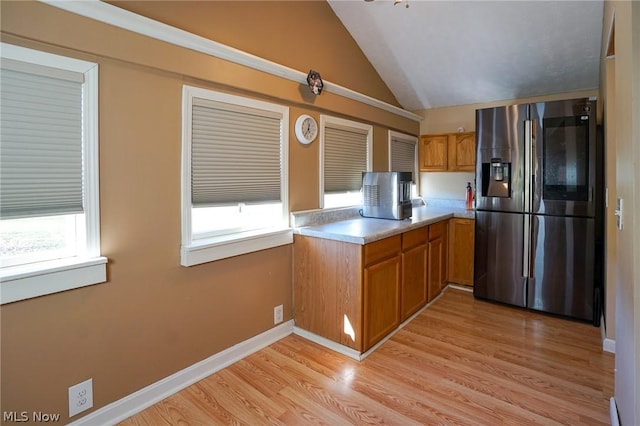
{"x": 537, "y": 200}
{"x": 386, "y": 195}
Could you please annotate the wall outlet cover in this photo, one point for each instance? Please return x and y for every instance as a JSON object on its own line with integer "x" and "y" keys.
{"x": 80, "y": 397}
{"x": 278, "y": 314}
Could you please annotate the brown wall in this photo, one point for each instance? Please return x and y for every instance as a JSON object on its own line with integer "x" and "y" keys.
{"x": 154, "y": 317}
{"x": 301, "y": 35}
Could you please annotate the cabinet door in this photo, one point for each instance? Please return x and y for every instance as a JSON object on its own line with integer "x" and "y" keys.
{"x": 462, "y": 152}
{"x": 381, "y": 297}
{"x": 433, "y": 153}
{"x": 414, "y": 280}
{"x": 461, "y": 249}
{"x": 437, "y": 256}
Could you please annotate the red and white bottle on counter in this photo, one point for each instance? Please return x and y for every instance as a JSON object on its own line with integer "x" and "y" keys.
{"x": 469, "y": 196}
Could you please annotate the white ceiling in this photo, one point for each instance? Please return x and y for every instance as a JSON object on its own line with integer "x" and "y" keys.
{"x": 441, "y": 53}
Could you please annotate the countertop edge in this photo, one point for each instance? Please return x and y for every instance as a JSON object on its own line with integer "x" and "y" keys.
{"x": 325, "y": 231}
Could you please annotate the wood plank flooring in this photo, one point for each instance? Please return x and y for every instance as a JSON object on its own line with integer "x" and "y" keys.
{"x": 461, "y": 362}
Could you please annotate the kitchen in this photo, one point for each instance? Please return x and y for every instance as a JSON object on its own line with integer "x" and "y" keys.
{"x": 150, "y": 304}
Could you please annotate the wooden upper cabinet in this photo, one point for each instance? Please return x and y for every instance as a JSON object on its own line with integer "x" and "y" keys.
{"x": 434, "y": 153}
{"x": 462, "y": 152}
{"x": 452, "y": 152}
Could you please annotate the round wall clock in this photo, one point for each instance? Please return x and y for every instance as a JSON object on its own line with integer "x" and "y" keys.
{"x": 306, "y": 129}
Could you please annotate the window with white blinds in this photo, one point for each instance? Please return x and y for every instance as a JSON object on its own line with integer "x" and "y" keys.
{"x": 41, "y": 149}
{"x": 235, "y": 154}
{"x": 49, "y": 192}
{"x": 403, "y": 153}
{"x": 346, "y": 154}
{"x": 234, "y": 177}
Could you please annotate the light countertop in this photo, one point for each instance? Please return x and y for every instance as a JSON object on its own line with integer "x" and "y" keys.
{"x": 362, "y": 230}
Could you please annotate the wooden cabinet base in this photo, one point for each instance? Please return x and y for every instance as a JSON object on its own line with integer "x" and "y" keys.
{"x": 327, "y": 289}
{"x": 356, "y": 295}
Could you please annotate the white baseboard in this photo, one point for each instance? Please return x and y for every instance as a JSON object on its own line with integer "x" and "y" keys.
{"x": 613, "y": 412}
{"x": 608, "y": 345}
{"x": 460, "y": 287}
{"x": 156, "y": 392}
{"x": 329, "y": 344}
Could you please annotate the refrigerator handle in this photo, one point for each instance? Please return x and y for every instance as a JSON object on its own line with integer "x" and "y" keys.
{"x": 527, "y": 165}
{"x": 534, "y": 166}
{"x": 526, "y": 241}
{"x": 526, "y": 245}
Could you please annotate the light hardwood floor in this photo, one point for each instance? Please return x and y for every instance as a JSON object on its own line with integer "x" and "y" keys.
{"x": 461, "y": 361}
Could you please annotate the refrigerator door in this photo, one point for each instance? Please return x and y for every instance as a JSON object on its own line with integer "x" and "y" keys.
{"x": 562, "y": 259}
{"x": 563, "y": 135}
{"x": 498, "y": 272}
{"x": 500, "y": 141}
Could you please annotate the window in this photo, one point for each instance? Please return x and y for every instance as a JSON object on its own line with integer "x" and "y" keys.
{"x": 234, "y": 176}
{"x": 49, "y": 208}
{"x": 345, "y": 153}
{"x": 403, "y": 156}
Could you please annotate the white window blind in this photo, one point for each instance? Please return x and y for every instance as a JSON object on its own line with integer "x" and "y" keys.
{"x": 345, "y": 158}
{"x": 403, "y": 156}
{"x": 41, "y": 133}
{"x": 236, "y": 154}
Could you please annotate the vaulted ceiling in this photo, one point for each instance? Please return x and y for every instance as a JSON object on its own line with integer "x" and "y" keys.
{"x": 441, "y": 53}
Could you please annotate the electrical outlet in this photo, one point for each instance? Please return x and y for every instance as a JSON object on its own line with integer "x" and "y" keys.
{"x": 277, "y": 314}
{"x": 80, "y": 397}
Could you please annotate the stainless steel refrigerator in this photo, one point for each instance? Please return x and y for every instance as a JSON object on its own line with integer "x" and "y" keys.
{"x": 536, "y": 207}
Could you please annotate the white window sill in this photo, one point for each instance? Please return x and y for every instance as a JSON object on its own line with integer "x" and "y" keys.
{"x": 27, "y": 281}
{"x": 210, "y": 249}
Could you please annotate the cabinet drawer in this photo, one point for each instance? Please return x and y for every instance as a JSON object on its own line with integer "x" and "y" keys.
{"x": 379, "y": 250}
{"x": 414, "y": 238}
{"x": 438, "y": 229}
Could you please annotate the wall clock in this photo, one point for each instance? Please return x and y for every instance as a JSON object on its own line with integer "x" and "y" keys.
{"x": 306, "y": 129}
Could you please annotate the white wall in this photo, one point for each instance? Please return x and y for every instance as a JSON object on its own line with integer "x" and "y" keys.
{"x": 447, "y": 186}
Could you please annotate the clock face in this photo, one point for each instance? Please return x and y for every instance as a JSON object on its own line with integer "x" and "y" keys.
{"x": 306, "y": 129}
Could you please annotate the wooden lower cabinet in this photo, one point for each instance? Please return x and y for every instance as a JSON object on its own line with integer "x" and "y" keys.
{"x": 327, "y": 289}
{"x": 347, "y": 293}
{"x": 355, "y": 294}
{"x": 461, "y": 250}
{"x": 437, "y": 259}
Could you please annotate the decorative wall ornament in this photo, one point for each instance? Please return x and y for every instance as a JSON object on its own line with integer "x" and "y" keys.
{"x": 315, "y": 82}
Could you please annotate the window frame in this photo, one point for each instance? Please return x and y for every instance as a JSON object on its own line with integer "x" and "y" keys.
{"x": 327, "y": 119}
{"x": 216, "y": 247}
{"x": 87, "y": 267}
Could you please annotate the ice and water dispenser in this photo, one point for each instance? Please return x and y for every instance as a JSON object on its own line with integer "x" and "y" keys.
{"x": 496, "y": 178}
